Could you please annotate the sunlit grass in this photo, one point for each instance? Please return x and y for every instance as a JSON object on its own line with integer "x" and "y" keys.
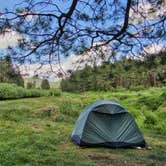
{"x": 36, "y": 131}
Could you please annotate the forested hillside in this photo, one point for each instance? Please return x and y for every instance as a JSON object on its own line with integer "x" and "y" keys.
{"x": 127, "y": 73}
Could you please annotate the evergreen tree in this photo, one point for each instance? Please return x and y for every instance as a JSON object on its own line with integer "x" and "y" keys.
{"x": 122, "y": 73}
{"x": 31, "y": 85}
{"x": 45, "y": 84}
{"x": 8, "y": 73}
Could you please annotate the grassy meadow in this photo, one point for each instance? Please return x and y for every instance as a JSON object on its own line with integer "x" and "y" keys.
{"x": 36, "y": 131}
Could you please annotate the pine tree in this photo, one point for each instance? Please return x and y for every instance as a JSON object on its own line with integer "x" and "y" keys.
{"x": 8, "y": 73}
{"x": 45, "y": 84}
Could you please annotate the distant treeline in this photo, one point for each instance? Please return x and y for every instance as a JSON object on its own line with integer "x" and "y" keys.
{"x": 8, "y": 73}
{"x": 126, "y": 73}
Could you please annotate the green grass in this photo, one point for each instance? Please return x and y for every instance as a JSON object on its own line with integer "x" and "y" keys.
{"x": 36, "y": 131}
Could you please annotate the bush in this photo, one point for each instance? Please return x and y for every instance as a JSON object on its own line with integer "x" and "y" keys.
{"x": 30, "y": 85}
{"x": 160, "y": 127}
{"x": 150, "y": 119}
{"x": 135, "y": 113}
{"x": 136, "y": 88}
{"x": 122, "y": 97}
{"x": 161, "y": 112}
{"x": 120, "y": 89}
{"x": 45, "y": 84}
{"x": 150, "y": 101}
{"x": 54, "y": 92}
{"x": 37, "y": 93}
{"x": 9, "y": 91}
{"x": 12, "y": 91}
{"x": 163, "y": 96}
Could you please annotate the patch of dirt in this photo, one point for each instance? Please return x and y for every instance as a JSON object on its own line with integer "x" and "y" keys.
{"x": 64, "y": 146}
{"x": 36, "y": 127}
{"x": 49, "y": 111}
{"x": 112, "y": 161}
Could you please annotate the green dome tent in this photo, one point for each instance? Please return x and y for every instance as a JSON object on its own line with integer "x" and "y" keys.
{"x": 106, "y": 123}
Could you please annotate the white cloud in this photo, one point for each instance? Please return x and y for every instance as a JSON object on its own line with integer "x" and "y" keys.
{"x": 9, "y": 39}
{"x": 145, "y": 11}
{"x": 72, "y": 62}
{"x": 75, "y": 62}
{"x": 146, "y": 51}
{"x": 153, "y": 49}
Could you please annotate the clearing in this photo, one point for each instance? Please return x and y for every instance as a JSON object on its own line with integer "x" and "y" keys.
{"x": 36, "y": 131}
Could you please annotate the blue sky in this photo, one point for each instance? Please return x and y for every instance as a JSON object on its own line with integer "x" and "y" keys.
{"x": 10, "y": 3}
{"x": 7, "y": 4}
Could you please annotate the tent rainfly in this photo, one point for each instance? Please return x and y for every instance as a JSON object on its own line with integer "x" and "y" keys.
{"x": 107, "y": 123}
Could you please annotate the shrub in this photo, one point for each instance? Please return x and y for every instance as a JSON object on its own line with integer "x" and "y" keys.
{"x": 161, "y": 112}
{"x": 122, "y": 97}
{"x": 135, "y": 113}
{"x": 8, "y": 91}
{"x": 150, "y": 119}
{"x": 45, "y": 84}
{"x": 120, "y": 89}
{"x": 54, "y": 92}
{"x": 30, "y": 85}
{"x": 157, "y": 156}
{"x": 36, "y": 93}
{"x": 136, "y": 88}
{"x": 152, "y": 102}
{"x": 163, "y": 96}
{"x": 12, "y": 91}
{"x": 21, "y": 92}
{"x": 160, "y": 127}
